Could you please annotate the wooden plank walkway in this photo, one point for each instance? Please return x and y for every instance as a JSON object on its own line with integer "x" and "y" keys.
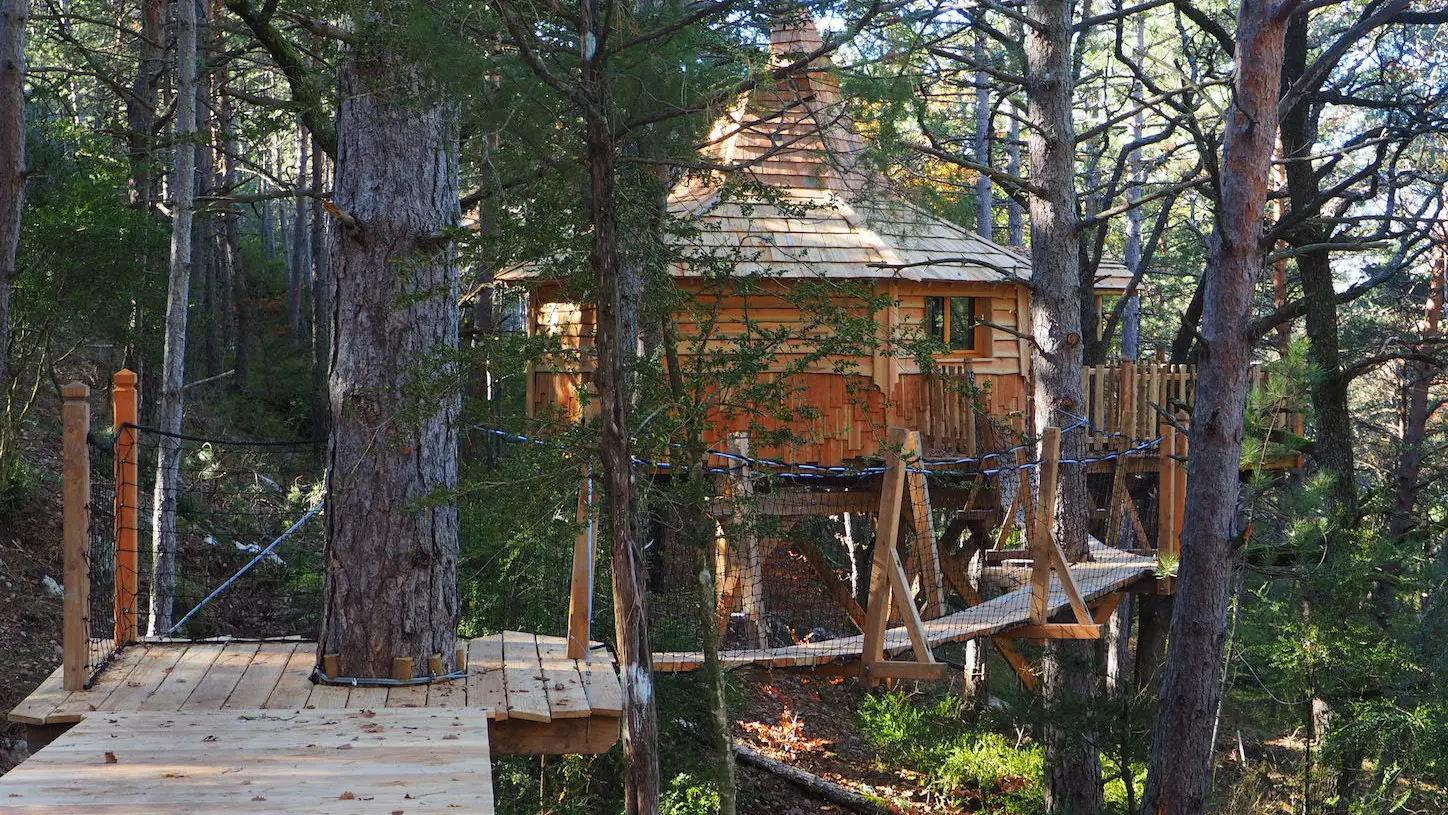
{"x": 511, "y": 675}
{"x": 252, "y": 761}
{"x": 1111, "y": 570}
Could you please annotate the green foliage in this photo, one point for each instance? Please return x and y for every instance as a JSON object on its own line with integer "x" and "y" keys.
{"x": 931, "y": 736}
{"x": 689, "y": 795}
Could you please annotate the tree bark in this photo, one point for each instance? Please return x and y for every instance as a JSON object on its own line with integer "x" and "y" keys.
{"x": 392, "y": 520}
{"x": 178, "y": 294}
{"x": 1181, "y": 754}
{"x": 14, "y": 15}
{"x": 1073, "y": 760}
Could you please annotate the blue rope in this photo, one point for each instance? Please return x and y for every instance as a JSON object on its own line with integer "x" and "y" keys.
{"x": 259, "y": 555}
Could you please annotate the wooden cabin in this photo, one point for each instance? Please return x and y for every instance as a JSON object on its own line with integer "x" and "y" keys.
{"x": 802, "y": 218}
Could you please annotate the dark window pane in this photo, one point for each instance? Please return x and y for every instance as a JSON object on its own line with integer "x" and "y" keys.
{"x": 962, "y": 323}
{"x": 935, "y": 318}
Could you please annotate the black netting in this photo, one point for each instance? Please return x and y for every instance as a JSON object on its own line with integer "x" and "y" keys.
{"x": 246, "y": 536}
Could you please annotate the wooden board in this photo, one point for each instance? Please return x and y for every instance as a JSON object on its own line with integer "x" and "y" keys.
{"x": 254, "y": 761}
{"x": 536, "y": 683}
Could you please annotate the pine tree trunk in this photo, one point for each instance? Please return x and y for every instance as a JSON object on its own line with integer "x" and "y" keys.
{"x": 392, "y": 521}
{"x": 1416, "y": 377}
{"x": 169, "y": 408}
{"x": 1073, "y": 762}
{"x": 14, "y": 15}
{"x": 321, "y": 296}
{"x": 1181, "y": 753}
{"x": 616, "y": 344}
{"x": 141, "y": 105}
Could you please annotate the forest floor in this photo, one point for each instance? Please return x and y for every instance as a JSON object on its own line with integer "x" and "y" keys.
{"x": 30, "y": 613}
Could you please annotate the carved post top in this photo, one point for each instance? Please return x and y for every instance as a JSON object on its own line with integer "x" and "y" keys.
{"x": 75, "y": 391}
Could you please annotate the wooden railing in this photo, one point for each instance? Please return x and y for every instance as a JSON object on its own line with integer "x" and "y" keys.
{"x": 1125, "y": 403}
{"x": 950, "y": 421}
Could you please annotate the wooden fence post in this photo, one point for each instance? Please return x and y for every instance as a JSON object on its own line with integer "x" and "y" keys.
{"x": 580, "y": 592}
{"x": 1040, "y": 542}
{"x": 75, "y": 638}
{"x": 125, "y": 411}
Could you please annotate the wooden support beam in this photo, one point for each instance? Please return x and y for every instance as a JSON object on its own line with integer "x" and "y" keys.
{"x": 580, "y": 589}
{"x": 925, "y": 553}
{"x": 125, "y": 412}
{"x": 75, "y": 635}
{"x": 887, "y": 534}
{"x": 906, "y": 670}
{"x": 1041, "y": 537}
{"x": 831, "y": 580}
{"x": 1106, "y": 606}
{"x": 1055, "y": 631}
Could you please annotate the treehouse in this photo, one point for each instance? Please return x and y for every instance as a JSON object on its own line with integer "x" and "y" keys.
{"x": 805, "y": 264}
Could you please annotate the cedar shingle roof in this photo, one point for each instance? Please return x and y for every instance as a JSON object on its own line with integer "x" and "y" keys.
{"x": 825, "y": 214}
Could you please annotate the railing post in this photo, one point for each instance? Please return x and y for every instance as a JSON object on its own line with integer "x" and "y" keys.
{"x": 580, "y": 595}
{"x": 75, "y": 419}
{"x": 125, "y": 411}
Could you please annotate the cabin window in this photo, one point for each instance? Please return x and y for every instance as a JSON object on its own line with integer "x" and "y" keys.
{"x": 958, "y": 323}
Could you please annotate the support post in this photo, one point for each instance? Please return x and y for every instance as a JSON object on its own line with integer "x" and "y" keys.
{"x": 1041, "y": 542}
{"x": 887, "y": 533}
{"x": 125, "y": 412}
{"x": 1179, "y": 484}
{"x": 1166, "y": 490}
{"x": 887, "y": 577}
{"x": 75, "y": 638}
{"x": 580, "y": 591}
{"x": 926, "y": 553}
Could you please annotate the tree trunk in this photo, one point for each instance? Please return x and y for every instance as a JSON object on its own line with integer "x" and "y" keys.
{"x": 1131, "y": 255}
{"x": 1417, "y": 375}
{"x": 1073, "y": 761}
{"x": 141, "y": 105}
{"x": 14, "y": 15}
{"x": 1327, "y": 387}
{"x": 392, "y": 519}
{"x": 321, "y": 296}
{"x": 984, "y": 217}
{"x": 1181, "y": 753}
{"x": 299, "y": 265}
{"x": 173, "y": 365}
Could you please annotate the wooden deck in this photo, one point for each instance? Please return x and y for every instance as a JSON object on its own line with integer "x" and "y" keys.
{"x": 536, "y": 699}
{"x": 254, "y": 761}
{"x": 1110, "y": 571}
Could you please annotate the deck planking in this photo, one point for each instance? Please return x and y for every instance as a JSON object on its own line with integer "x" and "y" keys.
{"x": 511, "y": 675}
{"x": 253, "y": 761}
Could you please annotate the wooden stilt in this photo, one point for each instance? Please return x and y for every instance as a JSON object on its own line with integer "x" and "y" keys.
{"x": 886, "y": 575}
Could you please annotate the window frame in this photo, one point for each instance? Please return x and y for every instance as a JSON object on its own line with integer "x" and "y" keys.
{"x": 981, "y": 336}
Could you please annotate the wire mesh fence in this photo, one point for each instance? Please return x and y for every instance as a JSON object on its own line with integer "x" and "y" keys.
{"x": 101, "y": 561}
{"x": 227, "y": 544}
